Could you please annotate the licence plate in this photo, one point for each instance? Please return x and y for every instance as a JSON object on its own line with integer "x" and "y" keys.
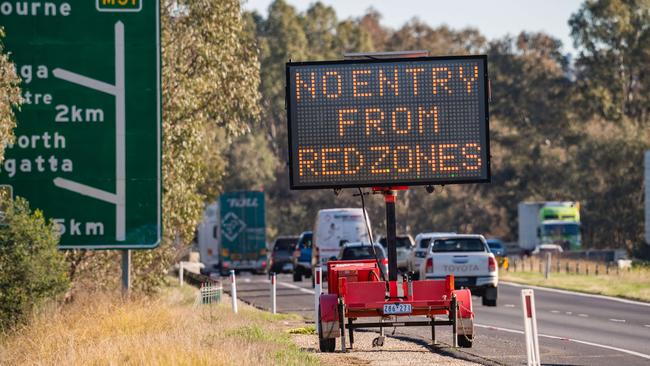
{"x": 397, "y": 309}
{"x": 287, "y": 267}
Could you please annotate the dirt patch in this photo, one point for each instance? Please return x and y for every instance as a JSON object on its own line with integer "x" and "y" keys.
{"x": 393, "y": 352}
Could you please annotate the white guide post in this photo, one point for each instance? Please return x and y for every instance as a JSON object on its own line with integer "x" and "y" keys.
{"x": 530, "y": 327}
{"x": 118, "y": 91}
{"x": 273, "y": 282}
{"x": 233, "y": 290}
{"x": 318, "y": 287}
{"x": 180, "y": 273}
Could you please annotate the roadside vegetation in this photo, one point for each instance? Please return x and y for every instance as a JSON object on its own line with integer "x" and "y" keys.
{"x": 629, "y": 283}
{"x": 165, "y": 329}
{"x": 32, "y": 270}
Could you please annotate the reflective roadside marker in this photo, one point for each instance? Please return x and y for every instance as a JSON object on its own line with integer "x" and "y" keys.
{"x": 530, "y": 327}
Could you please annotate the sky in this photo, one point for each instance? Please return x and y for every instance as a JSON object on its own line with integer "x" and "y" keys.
{"x": 494, "y": 18}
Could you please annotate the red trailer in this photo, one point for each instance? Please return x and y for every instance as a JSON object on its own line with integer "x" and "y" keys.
{"x": 355, "y": 291}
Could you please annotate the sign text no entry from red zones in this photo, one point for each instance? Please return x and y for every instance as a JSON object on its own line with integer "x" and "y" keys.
{"x": 360, "y": 123}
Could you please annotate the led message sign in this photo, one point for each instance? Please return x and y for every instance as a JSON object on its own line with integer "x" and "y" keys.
{"x": 412, "y": 121}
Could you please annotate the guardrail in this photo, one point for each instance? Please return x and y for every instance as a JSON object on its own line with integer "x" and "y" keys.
{"x": 569, "y": 266}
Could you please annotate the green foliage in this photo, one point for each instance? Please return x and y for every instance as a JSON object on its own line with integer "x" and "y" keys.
{"x": 32, "y": 270}
{"x": 251, "y": 163}
{"x": 9, "y": 98}
{"x": 614, "y": 61}
{"x": 558, "y": 131}
{"x": 210, "y": 82}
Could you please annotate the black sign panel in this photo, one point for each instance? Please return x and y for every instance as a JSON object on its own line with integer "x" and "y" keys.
{"x": 389, "y": 122}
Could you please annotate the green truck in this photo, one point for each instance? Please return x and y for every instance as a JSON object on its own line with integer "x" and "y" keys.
{"x": 549, "y": 223}
{"x": 242, "y": 234}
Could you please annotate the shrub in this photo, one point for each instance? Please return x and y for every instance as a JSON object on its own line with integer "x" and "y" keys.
{"x": 32, "y": 270}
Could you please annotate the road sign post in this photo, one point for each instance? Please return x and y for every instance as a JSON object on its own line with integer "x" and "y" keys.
{"x": 87, "y": 148}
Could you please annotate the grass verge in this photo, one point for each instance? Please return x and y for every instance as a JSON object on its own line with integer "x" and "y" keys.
{"x": 634, "y": 284}
{"x": 164, "y": 330}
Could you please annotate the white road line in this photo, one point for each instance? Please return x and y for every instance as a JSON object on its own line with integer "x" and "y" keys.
{"x": 555, "y": 311}
{"x": 617, "y": 320}
{"x": 290, "y": 285}
{"x": 509, "y": 305}
{"x": 629, "y": 352}
{"x": 576, "y": 293}
{"x": 583, "y": 315}
{"x": 647, "y": 325}
{"x": 568, "y": 312}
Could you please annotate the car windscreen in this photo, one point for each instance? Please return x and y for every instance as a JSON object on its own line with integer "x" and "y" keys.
{"x": 402, "y": 242}
{"x": 560, "y": 229}
{"x": 305, "y": 241}
{"x": 458, "y": 245}
{"x": 424, "y": 243}
{"x": 284, "y": 245}
{"x": 495, "y": 245}
{"x": 363, "y": 252}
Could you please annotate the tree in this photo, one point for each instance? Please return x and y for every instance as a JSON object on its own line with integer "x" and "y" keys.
{"x": 614, "y": 61}
{"x": 251, "y": 164}
{"x": 10, "y": 98}
{"x": 32, "y": 270}
{"x": 210, "y": 81}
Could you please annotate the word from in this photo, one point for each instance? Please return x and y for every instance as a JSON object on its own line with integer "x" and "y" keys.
{"x": 38, "y": 165}
{"x": 364, "y": 83}
{"x": 383, "y": 159}
{"x": 400, "y": 120}
{"x": 35, "y": 8}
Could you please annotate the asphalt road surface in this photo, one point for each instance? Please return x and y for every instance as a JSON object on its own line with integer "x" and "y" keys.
{"x": 574, "y": 329}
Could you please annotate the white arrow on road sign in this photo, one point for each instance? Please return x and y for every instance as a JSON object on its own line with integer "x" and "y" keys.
{"x": 118, "y": 91}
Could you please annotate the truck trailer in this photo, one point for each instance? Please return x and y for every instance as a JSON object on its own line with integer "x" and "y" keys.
{"x": 232, "y": 235}
{"x": 555, "y": 222}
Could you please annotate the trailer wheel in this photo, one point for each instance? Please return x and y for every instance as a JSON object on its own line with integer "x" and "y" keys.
{"x": 297, "y": 276}
{"x": 489, "y": 297}
{"x": 325, "y": 344}
{"x": 465, "y": 341}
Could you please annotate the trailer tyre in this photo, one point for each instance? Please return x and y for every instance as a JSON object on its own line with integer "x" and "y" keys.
{"x": 489, "y": 297}
{"x": 297, "y": 276}
{"x": 325, "y": 344}
{"x": 465, "y": 341}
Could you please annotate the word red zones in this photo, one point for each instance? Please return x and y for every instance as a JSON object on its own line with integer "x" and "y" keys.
{"x": 388, "y": 122}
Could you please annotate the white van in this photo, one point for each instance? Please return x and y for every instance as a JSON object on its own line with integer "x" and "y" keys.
{"x": 207, "y": 238}
{"x": 333, "y": 228}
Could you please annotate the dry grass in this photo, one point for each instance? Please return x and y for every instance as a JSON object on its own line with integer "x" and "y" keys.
{"x": 166, "y": 330}
{"x": 631, "y": 284}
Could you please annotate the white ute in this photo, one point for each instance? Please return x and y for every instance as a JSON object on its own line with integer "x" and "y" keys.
{"x": 469, "y": 259}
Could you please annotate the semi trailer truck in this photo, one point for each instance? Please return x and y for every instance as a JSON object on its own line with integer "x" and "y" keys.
{"x": 556, "y": 222}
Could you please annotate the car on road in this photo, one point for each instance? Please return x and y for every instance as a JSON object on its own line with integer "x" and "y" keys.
{"x": 358, "y": 250}
{"x": 335, "y": 227}
{"x": 542, "y": 249}
{"x": 419, "y": 251}
{"x": 497, "y": 247}
{"x": 282, "y": 253}
{"x": 468, "y": 258}
{"x": 404, "y": 247}
{"x": 302, "y": 257}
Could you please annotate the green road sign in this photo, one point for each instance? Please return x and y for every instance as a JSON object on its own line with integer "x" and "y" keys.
{"x": 87, "y": 149}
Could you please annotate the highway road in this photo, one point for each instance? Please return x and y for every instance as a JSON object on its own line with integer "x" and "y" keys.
{"x": 574, "y": 329}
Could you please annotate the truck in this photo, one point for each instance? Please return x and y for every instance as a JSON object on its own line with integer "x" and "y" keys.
{"x": 232, "y": 235}
{"x": 552, "y": 222}
{"x": 207, "y": 239}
